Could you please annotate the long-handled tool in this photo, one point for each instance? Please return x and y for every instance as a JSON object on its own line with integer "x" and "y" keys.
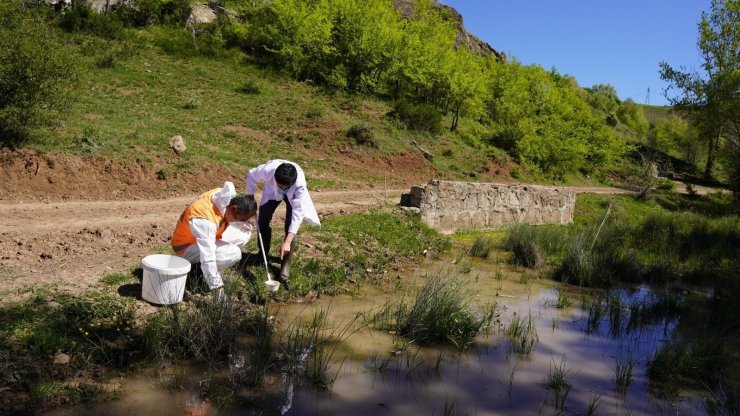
{"x": 272, "y": 285}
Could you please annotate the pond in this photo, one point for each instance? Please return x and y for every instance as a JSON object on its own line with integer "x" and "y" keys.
{"x": 589, "y": 355}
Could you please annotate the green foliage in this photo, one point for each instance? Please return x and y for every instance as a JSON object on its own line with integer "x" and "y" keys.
{"x": 546, "y": 125}
{"x": 631, "y": 114}
{"x": 386, "y": 236}
{"x": 673, "y": 133}
{"x": 710, "y": 97}
{"x": 33, "y": 71}
{"x": 603, "y": 97}
{"x": 363, "y": 135}
{"x": 82, "y": 18}
{"x": 521, "y": 241}
{"x": 482, "y": 247}
{"x": 423, "y": 117}
{"x": 249, "y": 88}
{"x": 438, "y": 313}
{"x": 522, "y": 333}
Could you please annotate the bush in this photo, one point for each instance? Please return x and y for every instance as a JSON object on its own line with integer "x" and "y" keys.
{"x": 249, "y": 88}
{"x": 33, "y": 71}
{"x": 363, "y": 135}
{"x": 481, "y": 247}
{"x": 439, "y": 313}
{"x": 422, "y": 117}
{"x": 83, "y": 18}
{"x": 521, "y": 240}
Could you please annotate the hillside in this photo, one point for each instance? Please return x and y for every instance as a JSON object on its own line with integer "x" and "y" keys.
{"x": 136, "y": 87}
{"x": 136, "y": 93}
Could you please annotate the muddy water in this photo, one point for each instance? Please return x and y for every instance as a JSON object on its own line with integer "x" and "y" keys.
{"x": 376, "y": 376}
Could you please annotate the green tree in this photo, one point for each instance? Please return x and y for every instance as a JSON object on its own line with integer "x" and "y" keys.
{"x": 710, "y": 98}
{"x": 33, "y": 71}
{"x": 540, "y": 117}
{"x": 675, "y": 133}
{"x": 632, "y": 115}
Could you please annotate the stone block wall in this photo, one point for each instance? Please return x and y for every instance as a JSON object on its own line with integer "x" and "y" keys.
{"x": 451, "y": 206}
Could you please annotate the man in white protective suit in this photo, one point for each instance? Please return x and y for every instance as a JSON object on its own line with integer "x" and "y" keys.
{"x": 200, "y": 234}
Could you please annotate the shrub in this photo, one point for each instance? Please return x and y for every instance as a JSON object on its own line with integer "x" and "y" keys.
{"x": 521, "y": 241}
{"x": 423, "y": 117}
{"x": 363, "y": 135}
{"x": 481, "y": 247}
{"x": 438, "y": 313}
{"x": 107, "y": 60}
{"x": 82, "y": 18}
{"x": 249, "y": 87}
{"x": 33, "y": 71}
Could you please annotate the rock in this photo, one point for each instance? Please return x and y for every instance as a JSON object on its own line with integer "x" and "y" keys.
{"x": 177, "y": 143}
{"x": 201, "y": 14}
{"x": 62, "y": 358}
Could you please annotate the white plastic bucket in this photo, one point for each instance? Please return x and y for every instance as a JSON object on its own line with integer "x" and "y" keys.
{"x": 164, "y": 278}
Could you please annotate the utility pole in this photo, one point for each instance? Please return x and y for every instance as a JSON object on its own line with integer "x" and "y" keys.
{"x": 647, "y": 97}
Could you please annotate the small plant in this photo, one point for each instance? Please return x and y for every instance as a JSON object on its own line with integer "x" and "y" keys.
{"x": 562, "y": 301}
{"x": 363, "y": 135}
{"x": 523, "y": 334}
{"x": 309, "y": 348}
{"x": 249, "y": 87}
{"x": 447, "y": 153}
{"x": 593, "y": 404}
{"x": 464, "y": 266}
{"x": 482, "y": 247}
{"x": 89, "y": 141}
{"x": 106, "y": 61}
{"x": 438, "y": 313}
{"x": 422, "y": 117}
{"x": 524, "y": 278}
{"x": 521, "y": 240}
{"x": 623, "y": 374}
{"x": 191, "y": 102}
{"x": 557, "y": 382}
{"x": 316, "y": 112}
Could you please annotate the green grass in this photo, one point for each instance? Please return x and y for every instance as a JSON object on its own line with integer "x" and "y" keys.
{"x": 438, "y": 313}
{"x": 136, "y": 92}
{"x": 522, "y": 334}
{"x": 623, "y": 374}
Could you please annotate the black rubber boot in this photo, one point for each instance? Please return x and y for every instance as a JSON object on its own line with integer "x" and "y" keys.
{"x": 285, "y": 263}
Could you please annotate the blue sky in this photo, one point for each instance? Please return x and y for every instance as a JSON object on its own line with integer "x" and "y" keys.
{"x": 596, "y": 41}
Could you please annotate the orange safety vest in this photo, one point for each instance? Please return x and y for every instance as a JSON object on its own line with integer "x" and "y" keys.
{"x": 203, "y": 207}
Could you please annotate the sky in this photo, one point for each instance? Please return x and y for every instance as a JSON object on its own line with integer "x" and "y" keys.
{"x": 596, "y": 41}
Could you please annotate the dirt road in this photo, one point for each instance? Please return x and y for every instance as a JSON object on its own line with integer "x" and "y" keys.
{"x": 72, "y": 244}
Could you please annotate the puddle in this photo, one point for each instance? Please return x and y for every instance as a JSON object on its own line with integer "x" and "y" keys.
{"x": 375, "y": 377}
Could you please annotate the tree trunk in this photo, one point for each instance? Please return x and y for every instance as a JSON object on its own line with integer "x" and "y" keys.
{"x": 711, "y": 150}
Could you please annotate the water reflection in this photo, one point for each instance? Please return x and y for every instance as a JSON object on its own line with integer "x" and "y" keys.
{"x": 380, "y": 374}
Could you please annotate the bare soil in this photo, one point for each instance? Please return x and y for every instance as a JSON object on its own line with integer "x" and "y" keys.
{"x": 68, "y": 220}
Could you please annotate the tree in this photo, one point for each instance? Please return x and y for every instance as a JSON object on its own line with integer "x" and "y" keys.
{"x": 33, "y": 71}
{"x": 710, "y": 98}
{"x": 632, "y": 115}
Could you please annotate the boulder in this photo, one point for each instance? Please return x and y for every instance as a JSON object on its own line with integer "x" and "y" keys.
{"x": 177, "y": 143}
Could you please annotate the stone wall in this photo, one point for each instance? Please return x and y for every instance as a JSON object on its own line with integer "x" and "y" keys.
{"x": 450, "y": 206}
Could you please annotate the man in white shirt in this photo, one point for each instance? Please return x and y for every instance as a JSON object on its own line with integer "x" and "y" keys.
{"x": 283, "y": 181}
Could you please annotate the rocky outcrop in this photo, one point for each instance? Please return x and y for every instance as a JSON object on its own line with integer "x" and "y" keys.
{"x": 406, "y": 8}
{"x": 451, "y": 206}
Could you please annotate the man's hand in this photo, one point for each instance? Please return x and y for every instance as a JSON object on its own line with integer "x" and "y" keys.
{"x": 284, "y": 249}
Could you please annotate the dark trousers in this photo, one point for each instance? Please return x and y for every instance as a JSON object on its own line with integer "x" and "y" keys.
{"x": 265, "y": 217}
